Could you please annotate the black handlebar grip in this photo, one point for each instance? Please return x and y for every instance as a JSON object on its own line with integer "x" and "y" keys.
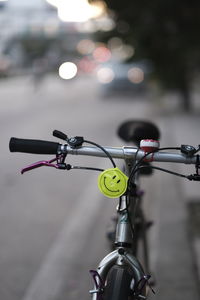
{"x": 33, "y": 146}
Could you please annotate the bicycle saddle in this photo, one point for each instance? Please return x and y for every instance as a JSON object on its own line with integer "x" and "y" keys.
{"x": 136, "y": 130}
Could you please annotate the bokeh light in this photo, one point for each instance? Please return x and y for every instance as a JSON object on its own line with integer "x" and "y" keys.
{"x": 106, "y": 24}
{"x": 123, "y": 27}
{"x": 136, "y": 75}
{"x": 102, "y": 54}
{"x": 86, "y": 65}
{"x": 105, "y": 75}
{"x": 79, "y": 10}
{"x": 85, "y": 46}
{"x": 68, "y": 70}
{"x": 115, "y": 43}
{"x": 98, "y": 8}
{"x": 120, "y": 51}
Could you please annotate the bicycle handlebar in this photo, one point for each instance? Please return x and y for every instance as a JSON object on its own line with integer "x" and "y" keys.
{"x": 33, "y": 146}
{"x": 46, "y": 147}
{"x": 130, "y": 153}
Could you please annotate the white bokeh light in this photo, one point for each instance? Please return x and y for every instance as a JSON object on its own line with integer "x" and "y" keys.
{"x": 78, "y": 10}
{"x": 105, "y": 75}
{"x": 68, "y": 70}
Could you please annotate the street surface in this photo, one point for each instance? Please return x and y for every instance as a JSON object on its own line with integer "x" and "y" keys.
{"x": 53, "y": 223}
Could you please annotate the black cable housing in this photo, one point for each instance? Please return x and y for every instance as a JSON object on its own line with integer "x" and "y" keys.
{"x": 145, "y": 155}
{"x": 161, "y": 169}
{"x": 104, "y": 150}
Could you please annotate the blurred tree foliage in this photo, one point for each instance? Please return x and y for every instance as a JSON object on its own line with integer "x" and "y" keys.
{"x": 165, "y": 32}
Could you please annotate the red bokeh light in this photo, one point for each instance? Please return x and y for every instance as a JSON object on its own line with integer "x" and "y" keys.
{"x": 86, "y": 65}
{"x": 102, "y": 54}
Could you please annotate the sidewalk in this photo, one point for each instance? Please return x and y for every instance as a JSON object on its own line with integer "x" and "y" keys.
{"x": 176, "y": 241}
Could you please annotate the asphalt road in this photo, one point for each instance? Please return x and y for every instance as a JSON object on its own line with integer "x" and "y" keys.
{"x": 53, "y": 223}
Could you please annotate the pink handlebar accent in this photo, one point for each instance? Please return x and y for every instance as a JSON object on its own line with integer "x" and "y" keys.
{"x": 46, "y": 163}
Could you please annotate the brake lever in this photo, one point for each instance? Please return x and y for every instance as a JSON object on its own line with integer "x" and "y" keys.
{"x": 46, "y": 163}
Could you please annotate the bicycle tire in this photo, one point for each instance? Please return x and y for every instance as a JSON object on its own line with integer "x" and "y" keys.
{"x": 118, "y": 284}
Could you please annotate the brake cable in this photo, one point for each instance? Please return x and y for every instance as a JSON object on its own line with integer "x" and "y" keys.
{"x": 77, "y": 142}
{"x": 145, "y": 155}
{"x": 161, "y": 169}
{"x": 70, "y": 167}
{"x": 104, "y": 150}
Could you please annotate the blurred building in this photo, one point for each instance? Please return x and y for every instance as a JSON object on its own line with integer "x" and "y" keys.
{"x": 30, "y": 30}
{"x": 36, "y": 36}
{"x": 20, "y": 16}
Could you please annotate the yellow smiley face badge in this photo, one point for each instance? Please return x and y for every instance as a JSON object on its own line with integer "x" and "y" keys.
{"x": 112, "y": 183}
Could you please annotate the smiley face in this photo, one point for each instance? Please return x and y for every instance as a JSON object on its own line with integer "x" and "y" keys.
{"x": 112, "y": 182}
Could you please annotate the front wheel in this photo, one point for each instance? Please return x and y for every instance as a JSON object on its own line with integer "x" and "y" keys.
{"x": 118, "y": 285}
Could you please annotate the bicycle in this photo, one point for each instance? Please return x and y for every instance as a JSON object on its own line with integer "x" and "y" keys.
{"x": 119, "y": 275}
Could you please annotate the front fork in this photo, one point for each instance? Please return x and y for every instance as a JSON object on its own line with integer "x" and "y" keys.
{"x": 121, "y": 256}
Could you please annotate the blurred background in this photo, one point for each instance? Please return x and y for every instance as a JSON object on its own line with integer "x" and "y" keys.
{"x": 84, "y": 67}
